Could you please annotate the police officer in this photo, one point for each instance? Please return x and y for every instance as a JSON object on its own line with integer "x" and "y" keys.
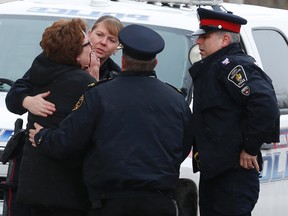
{"x": 135, "y": 129}
{"x": 234, "y": 111}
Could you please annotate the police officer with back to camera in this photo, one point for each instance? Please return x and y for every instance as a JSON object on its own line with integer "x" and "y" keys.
{"x": 132, "y": 168}
{"x": 234, "y": 112}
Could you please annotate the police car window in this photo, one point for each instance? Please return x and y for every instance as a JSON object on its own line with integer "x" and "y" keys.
{"x": 19, "y": 42}
{"x": 20, "y": 37}
{"x": 273, "y": 49}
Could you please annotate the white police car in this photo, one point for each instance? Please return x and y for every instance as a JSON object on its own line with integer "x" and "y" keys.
{"x": 265, "y": 37}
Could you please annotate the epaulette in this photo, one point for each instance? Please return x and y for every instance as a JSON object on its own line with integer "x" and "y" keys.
{"x": 178, "y": 90}
{"x": 92, "y": 85}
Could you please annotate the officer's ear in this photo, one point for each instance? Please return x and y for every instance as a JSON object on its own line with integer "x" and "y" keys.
{"x": 226, "y": 39}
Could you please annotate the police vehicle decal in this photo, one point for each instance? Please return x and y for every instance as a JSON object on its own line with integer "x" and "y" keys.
{"x": 283, "y": 140}
{"x": 86, "y": 13}
{"x": 237, "y": 76}
{"x": 5, "y": 135}
{"x": 272, "y": 161}
{"x": 271, "y": 170}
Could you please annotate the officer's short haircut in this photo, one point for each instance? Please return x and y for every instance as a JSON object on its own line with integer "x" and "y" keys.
{"x": 234, "y": 37}
{"x": 139, "y": 65}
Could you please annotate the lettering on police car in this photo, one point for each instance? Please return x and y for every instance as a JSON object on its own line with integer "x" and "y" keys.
{"x": 237, "y": 76}
{"x": 87, "y": 13}
{"x": 275, "y": 167}
{"x": 275, "y": 161}
{"x": 5, "y": 135}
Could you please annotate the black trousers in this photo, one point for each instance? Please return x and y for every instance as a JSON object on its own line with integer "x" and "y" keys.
{"x": 233, "y": 193}
{"x": 140, "y": 206}
{"x": 54, "y": 211}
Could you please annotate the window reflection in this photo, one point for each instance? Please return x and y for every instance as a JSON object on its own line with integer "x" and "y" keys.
{"x": 273, "y": 49}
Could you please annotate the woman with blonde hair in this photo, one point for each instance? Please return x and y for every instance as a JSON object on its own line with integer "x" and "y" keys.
{"x": 104, "y": 37}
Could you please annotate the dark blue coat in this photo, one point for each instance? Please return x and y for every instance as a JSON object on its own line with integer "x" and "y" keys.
{"x": 140, "y": 130}
{"x": 109, "y": 70}
{"x": 23, "y": 87}
{"x": 234, "y": 108}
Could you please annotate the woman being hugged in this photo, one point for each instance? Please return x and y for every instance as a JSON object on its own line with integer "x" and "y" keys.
{"x": 47, "y": 186}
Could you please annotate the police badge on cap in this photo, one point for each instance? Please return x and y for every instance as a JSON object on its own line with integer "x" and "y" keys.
{"x": 218, "y": 21}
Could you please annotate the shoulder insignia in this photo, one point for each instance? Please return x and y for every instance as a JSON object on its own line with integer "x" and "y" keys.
{"x": 237, "y": 76}
{"x": 103, "y": 81}
{"x": 226, "y": 61}
{"x": 92, "y": 85}
{"x": 245, "y": 90}
{"x": 79, "y": 103}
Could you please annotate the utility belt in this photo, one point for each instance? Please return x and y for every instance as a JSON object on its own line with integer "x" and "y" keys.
{"x": 98, "y": 203}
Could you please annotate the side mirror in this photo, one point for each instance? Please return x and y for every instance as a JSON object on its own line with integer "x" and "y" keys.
{"x": 194, "y": 54}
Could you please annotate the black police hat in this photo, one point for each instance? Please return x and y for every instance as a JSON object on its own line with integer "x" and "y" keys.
{"x": 218, "y": 21}
{"x": 140, "y": 42}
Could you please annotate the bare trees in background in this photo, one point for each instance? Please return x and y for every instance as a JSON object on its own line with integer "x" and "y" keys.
{"x": 268, "y": 3}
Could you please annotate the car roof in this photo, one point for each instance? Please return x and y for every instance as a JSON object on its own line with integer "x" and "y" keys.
{"x": 176, "y": 16}
{"x": 126, "y": 11}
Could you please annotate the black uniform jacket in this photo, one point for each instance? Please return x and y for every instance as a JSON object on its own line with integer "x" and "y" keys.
{"x": 109, "y": 70}
{"x": 44, "y": 180}
{"x": 234, "y": 108}
{"x": 140, "y": 130}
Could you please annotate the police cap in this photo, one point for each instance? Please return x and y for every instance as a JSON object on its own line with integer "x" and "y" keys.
{"x": 218, "y": 21}
{"x": 140, "y": 42}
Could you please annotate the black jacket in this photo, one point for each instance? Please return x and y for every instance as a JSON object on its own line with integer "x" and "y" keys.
{"x": 23, "y": 87}
{"x": 109, "y": 70}
{"x": 44, "y": 180}
{"x": 234, "y": 108}
{"x": 140, "y": 130}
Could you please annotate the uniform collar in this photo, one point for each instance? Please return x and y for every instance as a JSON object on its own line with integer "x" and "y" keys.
{"x": 202, "y": 65}
{"x": 139, "y": 73}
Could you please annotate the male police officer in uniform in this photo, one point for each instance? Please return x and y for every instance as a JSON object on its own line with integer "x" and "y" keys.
{"x": 234, "y": 111}
{"x": 136, "y": 131}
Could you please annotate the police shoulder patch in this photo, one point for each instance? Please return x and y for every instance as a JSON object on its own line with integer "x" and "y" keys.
{"x": 237, "y": 76}
{"x": 245, "y": 90}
